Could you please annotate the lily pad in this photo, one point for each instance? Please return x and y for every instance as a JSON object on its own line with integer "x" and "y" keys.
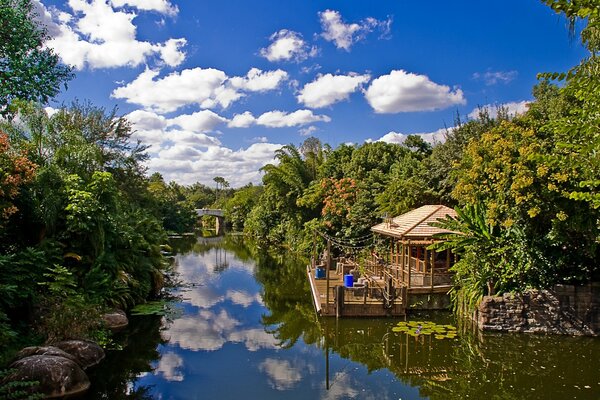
{"x": 416, "y": 328}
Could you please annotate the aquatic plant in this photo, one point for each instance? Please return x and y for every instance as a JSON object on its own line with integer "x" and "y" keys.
{"x": 416, "y": 328}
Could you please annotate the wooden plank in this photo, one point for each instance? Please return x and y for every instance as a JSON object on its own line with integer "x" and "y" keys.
{"x": 313, "y": 289}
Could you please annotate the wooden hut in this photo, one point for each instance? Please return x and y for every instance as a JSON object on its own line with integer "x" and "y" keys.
{"x": 409, "y": 261}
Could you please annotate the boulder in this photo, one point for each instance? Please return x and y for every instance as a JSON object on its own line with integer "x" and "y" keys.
{"x": 56, "y": 376}
{"x": 115, "y": 320}
{"x": 86, "y": 353}
{"x": 43, "y": 351}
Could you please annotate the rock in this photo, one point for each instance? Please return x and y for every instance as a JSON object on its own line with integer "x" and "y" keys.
{"x": 115, "y": 320}
{"x": 57, "y": 376}
{"x": 86, "y": 353}
{"x": 43, "y": 351}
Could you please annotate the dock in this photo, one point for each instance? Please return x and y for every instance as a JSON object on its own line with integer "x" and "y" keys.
{"x": 376, "y": 299}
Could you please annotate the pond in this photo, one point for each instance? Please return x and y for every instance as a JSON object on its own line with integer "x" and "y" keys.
{"x": 245, "y": 328}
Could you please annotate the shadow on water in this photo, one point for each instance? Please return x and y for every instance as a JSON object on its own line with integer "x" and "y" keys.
{"x": 112, "y": 378}
{"x": 472, "y": 365}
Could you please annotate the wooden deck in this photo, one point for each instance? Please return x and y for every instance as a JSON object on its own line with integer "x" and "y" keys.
{"x": 373, "y": 301}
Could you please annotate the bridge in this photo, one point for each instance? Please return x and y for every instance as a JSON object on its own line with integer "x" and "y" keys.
{"x": 215, "y": 212}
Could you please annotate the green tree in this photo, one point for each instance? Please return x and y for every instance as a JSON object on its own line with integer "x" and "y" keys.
{"x": 241, "y": 204}
{"x": 28, "y": 70}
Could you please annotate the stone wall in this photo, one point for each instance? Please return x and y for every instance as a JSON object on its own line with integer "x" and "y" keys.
{"x": 566, "y": 310}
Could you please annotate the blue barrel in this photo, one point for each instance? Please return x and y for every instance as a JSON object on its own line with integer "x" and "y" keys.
{"x": 320, "y": 273}
{"x": 349, "y": 280}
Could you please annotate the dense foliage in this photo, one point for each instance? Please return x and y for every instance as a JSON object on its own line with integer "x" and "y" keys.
{"x": 75, "y": 235}
{"x": 28, "y": 70}
{"x": 525, "y": 186}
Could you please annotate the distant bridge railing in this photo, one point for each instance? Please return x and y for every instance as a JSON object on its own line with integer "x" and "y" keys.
{"x": 209, "y": 211}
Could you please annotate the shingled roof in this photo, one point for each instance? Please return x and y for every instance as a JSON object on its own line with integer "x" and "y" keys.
{"x": 414, "y": 225}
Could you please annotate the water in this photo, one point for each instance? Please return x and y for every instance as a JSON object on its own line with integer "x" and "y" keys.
{"x": 246, "y": 328}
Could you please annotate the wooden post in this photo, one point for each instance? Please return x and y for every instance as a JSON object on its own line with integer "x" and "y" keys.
{"x": 327, "y": 265}
{"x": 390, "y": 293}
{"x": 402, "y": 262}
{"x": 314, "y": 257}
{"x": 339, "y": 301}
{"x": 447, "y": 259}
{"x": 432, "y": 266}
{"x": 418, "y": 261}
{"x": 409, "y": 257}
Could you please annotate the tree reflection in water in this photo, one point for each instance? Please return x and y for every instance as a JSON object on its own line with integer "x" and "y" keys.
{"x": 471, "y": 366}
{"x": 114, "y": 377}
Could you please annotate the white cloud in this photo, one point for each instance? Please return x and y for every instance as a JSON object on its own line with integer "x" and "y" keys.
{"x": 401, "y": 91}
{"x": 205, "y": 87}
{"x": 238, "y": 167}
{"x": 243, "y": 298}
{"x": 512, "y": 109}
{"x": 287, "y": 45}
{"x": 96, "y": 35}
{"x": 157, "y": 131}
{"x": 169, "y": 367}
{"x": 190, "y": 86}
{"x": 345, "y": 35}
{"x": 282, "y": 375}
{"x": 329, "y": 89}
{"x": 161, "y": 6}
{"x": 281, "y": 119}
{"x": 277, "y": 119}
{"x": 201, "y": 121}
{"x": 146, "y": 120}
{"x": 309, "y": 130}
{"x": 438, "y": 136}
{"x": 50, "y": 111}
{"x": 493, "y": 77}
{"x": 254, "y": 339}
{"x": 259, "y": 81}
{"x": 243, "y": 120}
{"x": 206, "y": 331}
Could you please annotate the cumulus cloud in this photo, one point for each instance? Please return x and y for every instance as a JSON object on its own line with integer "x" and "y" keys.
{"x": 156, "y": 130}
{"x": 277, "y": 119}
{"x": 287, "y": 45}
{"x": 205, "y": 87}
{"x": 259, "y": 81}
{"x": 243, "y": 120}
{"x": 281, "y": 119}
{"x": 329, "y": 89}
{"x": 238, "y": 167}
{"x": 491, "y": 78}
{"x": 432, "y": 138}
{"x": 309, "y": 130}
{"x": 344, "y": 35}
{"x": 98, "y": 35}
{"x": 201, "y": 121}
{"x": 243, "y": 298}
{"x": 206, "y": 331}
{"x": 254, "y": 339}
{"x": 161, "y": 6}
{"x": 512, "y": 109}
{"x": 169, "y": 367}
{"x": 401, "y": 91}
{"x": 282, "y": 375}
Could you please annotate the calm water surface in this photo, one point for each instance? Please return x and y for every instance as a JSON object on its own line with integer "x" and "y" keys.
{"x": 245, "y": 328}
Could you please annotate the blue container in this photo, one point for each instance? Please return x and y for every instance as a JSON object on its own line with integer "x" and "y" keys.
{"x": 320, "y": 273}
{"x": 349, "y": 280}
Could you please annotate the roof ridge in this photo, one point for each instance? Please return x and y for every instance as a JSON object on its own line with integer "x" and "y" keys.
{"x": 438, "y": 208}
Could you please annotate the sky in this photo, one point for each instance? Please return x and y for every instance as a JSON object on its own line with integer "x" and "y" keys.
{"x": 215, "y": 87}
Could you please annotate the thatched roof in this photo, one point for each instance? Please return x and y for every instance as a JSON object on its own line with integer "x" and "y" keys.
{"x": 415, "y": 224}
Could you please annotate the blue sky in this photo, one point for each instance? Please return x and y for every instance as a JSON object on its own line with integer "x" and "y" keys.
{"x": 216, "y": 87}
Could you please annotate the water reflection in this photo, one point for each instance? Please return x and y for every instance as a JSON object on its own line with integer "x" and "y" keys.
{"x": 248, "y": 329}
